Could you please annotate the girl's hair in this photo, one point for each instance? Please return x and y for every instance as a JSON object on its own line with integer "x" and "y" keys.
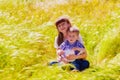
{"x": 60, "y": 38}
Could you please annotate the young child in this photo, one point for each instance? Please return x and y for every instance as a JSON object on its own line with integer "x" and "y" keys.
{"x": 70, "y": 46}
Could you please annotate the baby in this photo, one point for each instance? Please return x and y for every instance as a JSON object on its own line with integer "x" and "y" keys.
{"x": 70, "y": 46}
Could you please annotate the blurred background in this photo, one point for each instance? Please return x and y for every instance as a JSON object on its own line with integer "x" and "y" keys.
{"x": 27, "y": 33}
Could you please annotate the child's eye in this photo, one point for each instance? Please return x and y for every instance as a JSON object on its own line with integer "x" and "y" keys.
{"x": 59, "y": 25}
{"x": 73, "y": 36}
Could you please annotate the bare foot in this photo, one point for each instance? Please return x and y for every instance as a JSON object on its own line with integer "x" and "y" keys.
{"x": 75, "y": 70}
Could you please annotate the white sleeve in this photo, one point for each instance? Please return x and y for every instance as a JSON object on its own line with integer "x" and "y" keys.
{"x": 55, "y": 43}
{"x": 80, "y": 39}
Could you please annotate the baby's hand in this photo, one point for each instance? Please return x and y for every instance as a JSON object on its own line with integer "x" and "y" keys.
{"x": 75, "y": 48}
{"x": 60, "y": 52}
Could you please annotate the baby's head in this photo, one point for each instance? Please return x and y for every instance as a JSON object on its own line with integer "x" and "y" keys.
{"x": 73, "y": 34}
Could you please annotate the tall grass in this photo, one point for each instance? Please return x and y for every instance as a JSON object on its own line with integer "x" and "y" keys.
{"x": 27, "y": 33}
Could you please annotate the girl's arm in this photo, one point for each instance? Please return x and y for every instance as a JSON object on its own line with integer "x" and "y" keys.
{"x": 79, "y": 56}
{"x": 80, "y": 39}
{"x": 55, "y": 43}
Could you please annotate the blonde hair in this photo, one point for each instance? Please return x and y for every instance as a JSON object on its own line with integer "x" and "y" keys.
{"x": 74, "y": 29}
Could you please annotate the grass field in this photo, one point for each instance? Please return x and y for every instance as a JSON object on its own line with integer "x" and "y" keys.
{"x": 27, "y": 33}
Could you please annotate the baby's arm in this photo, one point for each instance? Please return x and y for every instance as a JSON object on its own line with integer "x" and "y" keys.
{"x": 60, "y": 50}
{"x": 77, "y": 48}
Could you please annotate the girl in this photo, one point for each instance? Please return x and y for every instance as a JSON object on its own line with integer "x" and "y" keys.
{"x": 63, "y": 24}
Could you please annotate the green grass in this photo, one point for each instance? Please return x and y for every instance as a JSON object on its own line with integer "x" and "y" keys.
{"x": 27, "y": 33}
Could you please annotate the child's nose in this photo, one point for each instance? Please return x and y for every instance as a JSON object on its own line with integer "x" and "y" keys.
{"x": 61, "y": 26}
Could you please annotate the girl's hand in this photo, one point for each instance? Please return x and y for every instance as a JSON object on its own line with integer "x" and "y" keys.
{"x": 60, "y": 52}
{"x": 71, "y": 57}
{"x": 64, "y": 60}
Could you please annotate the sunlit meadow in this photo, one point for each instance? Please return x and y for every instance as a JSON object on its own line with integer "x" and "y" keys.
{"x": 27, "y": 33}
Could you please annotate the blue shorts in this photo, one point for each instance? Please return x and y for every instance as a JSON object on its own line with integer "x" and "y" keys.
{"x": 80, "y": 64}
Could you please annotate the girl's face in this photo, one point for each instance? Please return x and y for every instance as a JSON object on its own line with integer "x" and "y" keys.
{"x": 63, "y": 27}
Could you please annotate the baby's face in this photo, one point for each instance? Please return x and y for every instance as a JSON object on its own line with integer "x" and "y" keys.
{"x": 72, "y": 37}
